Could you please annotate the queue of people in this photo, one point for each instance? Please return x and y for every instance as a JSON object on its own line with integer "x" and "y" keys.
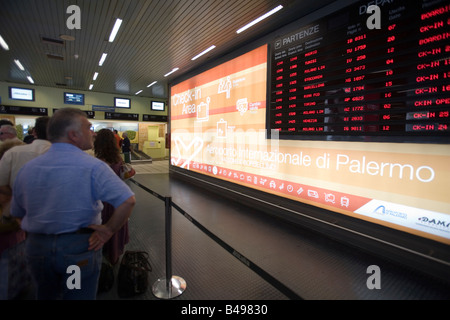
{"x": 71, "y": 209}
{"x": 12, "y": 245}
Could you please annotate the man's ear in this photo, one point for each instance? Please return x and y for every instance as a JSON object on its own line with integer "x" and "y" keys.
{"x": 72, "y": 135}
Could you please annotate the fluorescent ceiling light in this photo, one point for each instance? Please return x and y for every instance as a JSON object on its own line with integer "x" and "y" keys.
{"x": 19, "y": 65}
{"x": 151, "y": 84}
{"x": 115, "y": 30}
{"x": 271, "y": 12}
{"x": 202, "y": 53}
{"x": 95, "y": 76}
{"x": 30, "y": 79}
{"x": 3, "y": 44}
{"x": 91, "y": 86}
{"x": 138, "y": 92}
{"x": 102, "y": 59}
{"x": 173, "y": 70}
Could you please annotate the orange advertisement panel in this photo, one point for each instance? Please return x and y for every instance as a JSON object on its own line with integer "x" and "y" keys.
{"x": 218, "y": 128}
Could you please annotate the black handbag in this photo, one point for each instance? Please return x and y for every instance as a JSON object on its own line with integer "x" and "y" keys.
{"x": 106, "y": 280}
{"x": 133, "y": 274}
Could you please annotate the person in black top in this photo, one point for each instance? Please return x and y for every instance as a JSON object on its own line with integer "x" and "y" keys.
{"x": 126, "y": 148}
{"x": 29, "y": 138}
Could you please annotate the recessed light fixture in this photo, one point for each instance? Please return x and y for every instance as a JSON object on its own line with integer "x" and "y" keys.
{"x": 67, "y": 37}
{"x": 202, "y": 53}
{"x": 154, "y": 82}
{"x": 115, "y": 30}
{"x": 17, "y": 62}
{"x": 3, "y": 44}
{"x": 271, "y": 12}
{"x": 95, "y": 76}
{"x": 102, "y": 59}
{"x": 138, "y": 92}
{"x": 91, "y": 87}
{"x": 30, "y": 79}
{"x": 173, "y": 70}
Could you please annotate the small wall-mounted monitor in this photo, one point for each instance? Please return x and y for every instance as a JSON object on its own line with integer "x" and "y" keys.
{"x": 158, "y": 106}
{"x": 74, "y": 98}
{"x": 122, "y": 103}
{"x": 25, "y": 94}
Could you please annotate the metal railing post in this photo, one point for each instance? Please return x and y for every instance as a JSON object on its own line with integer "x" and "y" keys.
{"x": 170, "y": 286}
{"x": 168, "y": 214}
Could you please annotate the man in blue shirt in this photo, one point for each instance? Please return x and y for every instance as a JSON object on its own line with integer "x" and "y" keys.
{"x": 58, "y": 197}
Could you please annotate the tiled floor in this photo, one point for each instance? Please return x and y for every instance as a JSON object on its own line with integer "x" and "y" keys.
{"x": 311, "y": 265}
{"x": 147, "y": 167}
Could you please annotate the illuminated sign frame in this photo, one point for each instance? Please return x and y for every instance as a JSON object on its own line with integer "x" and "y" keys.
{"x": 157, "y": 105}
{"x": 24, "y": 94}
{"x": 122, "y": 103}
{"x": 74, "y": 98}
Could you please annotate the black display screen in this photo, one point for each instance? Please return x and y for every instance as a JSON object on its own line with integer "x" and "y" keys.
{"x": 341, "y": 78}
{"x": 154, "y": 118}
{"x": 29, "y": 111}
{"x": 74, "y": 98}
{"x": 121, "y": 116}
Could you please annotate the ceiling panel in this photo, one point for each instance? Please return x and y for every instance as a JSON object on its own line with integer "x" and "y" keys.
{"x": 155, "y": 37}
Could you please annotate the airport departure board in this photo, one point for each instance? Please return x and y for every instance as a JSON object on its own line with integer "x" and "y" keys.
{"x": 342, "y": 78}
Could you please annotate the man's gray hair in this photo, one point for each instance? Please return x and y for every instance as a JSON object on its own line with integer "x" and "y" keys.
{"x": 62, "y": 121}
